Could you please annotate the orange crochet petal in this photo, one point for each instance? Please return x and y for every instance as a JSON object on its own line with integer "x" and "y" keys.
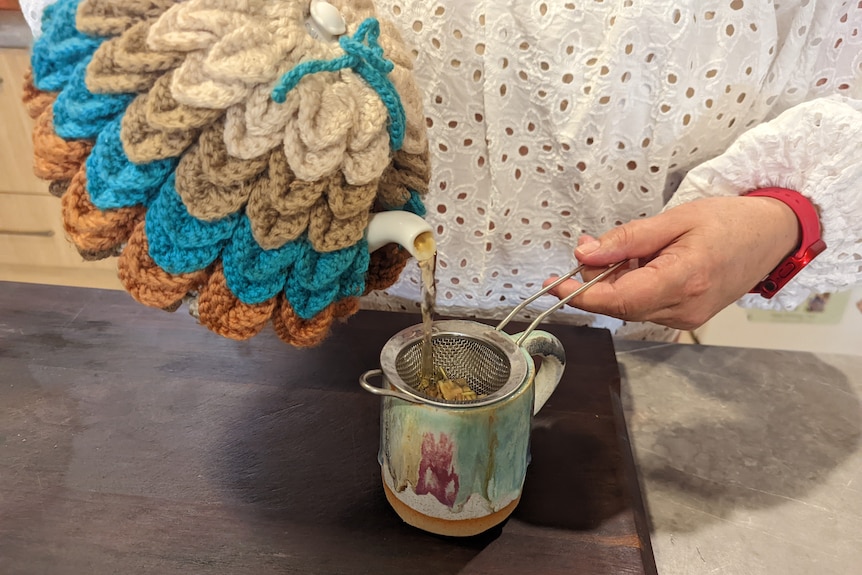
{"x": 344, "y": 308}
{"x": 96, "y": 232}
{"x": 147, "y": 282}
{"x": 35, "y": 100}
{"x": 385, "y": 267}
{"x": 53, "y": 157}
{"x": 293, "y": 330}
{"x": 222, "y": 312}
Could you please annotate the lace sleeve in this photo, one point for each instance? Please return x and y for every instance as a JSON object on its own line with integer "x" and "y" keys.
{"x": 812, "y": 148}
{"x": 32, "y": 11}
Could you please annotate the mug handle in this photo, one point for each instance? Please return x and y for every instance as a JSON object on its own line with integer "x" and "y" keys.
{"x": 553, "y": 356}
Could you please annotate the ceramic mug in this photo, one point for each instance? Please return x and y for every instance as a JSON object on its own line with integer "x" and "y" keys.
{"x": 459, "y": 469}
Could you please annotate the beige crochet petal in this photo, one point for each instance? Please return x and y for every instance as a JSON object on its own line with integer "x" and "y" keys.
{"x": 373, "y": 117}
{"x": 212, "y": 184}
{"x": 203, "y": 199}
{"x": 249, "y": 54}
{"x": 125, "y": 64}
{"x": 263, "y": 116}
{"x": 218, "y": 166}
{"x": 328, "y": 233}
{"x": 414, "y": 169}
{"x": 272, "y": 229}
{"x": 113, "y": 17}
{"x": 198, "y": 24}
{"x": 192, "y": 86}
{"x": 355, "y": 12}
{"x": 241, "y": 145}
{"x": 346, "y": 201}
{"x": 407, "y": 172}
{"x": 415, "y": 136}
{"x": 310, "y": 165}
{"x": 279, "y": 205}
{"x": 165, "y": 113}
{"x": 393, "y": 46}
{"x": 143, "y": 143}
{"x": 239, "y": 139}
{"x": 363, "y": 166}
{"x": 257, "y": 125}
{"x": 301, "y": 196}
{"x": 327, "y": 112}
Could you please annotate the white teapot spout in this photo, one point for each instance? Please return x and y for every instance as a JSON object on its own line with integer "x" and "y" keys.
{"x": 403, "y": 228}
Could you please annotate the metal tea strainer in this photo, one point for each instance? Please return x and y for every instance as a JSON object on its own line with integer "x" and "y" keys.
{"x": 492, "y": 363}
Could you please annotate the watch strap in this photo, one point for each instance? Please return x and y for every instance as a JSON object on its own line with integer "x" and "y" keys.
{"x": 810, "y": 244}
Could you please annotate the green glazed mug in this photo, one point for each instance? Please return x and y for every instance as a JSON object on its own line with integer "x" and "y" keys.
{"x": 458, "y": 467}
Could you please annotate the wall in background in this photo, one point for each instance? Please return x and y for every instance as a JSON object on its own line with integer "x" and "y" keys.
{"x": 828, "y": 323}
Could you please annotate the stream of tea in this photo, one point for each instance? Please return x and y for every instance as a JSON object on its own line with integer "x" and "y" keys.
{"x": 433, "y": 379}
{"x": 429, "y": 296}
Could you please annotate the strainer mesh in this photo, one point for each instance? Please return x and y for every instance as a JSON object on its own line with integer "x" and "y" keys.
{"x": 483, "y": 365}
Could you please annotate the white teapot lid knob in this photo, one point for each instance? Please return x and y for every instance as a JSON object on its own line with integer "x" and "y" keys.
{"x": 328, "y": 18}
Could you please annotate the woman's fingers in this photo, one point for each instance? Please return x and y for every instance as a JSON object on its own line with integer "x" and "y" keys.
{"x": 701, "y": 257}
{"x": 634, "y": 240}
{"x": 637, "y": 295}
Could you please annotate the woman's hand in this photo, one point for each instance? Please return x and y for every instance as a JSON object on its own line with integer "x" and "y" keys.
{"x": 697, "y": 258}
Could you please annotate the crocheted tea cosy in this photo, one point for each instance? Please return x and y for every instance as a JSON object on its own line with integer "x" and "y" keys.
{"x": 227, "y": 156}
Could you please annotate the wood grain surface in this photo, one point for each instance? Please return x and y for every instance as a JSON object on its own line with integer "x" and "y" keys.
{"x": 134, "y": 441}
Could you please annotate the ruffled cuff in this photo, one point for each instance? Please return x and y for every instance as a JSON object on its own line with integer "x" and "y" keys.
{"x": 814, "y": 148}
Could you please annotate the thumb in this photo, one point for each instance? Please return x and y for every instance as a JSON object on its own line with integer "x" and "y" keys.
{"x": 635, "y": 239}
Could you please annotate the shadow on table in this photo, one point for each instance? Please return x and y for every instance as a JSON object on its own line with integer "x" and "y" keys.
{"x": 303, "y": 466}
{"x": 719, "y": 439}
{"x": 574, "y": 480}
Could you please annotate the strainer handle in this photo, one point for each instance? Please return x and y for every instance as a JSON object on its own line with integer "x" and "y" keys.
{"x": 363, "y": 381}
{"x": 550, "y": 349}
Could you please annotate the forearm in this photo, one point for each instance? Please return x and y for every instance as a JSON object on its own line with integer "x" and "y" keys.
{"x": 813, "y": 148}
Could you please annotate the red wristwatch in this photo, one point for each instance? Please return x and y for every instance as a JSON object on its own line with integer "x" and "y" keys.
{"x": 810, "y": 243}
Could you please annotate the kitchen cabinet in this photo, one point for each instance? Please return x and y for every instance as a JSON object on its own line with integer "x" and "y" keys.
{"x": 33, "y": 245}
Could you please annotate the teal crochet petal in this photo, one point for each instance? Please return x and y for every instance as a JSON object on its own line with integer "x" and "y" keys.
{"x": 308, "y": 303}
{"x": 319, "y": 279}
{"x": 188, "y": 231}
{"x": 114, "y": 181}
{"x": 415, "y": 205}
{"x": 254, "y": 274}
{"x": 80, "y": 114}
{"x": 60, "y": 47}
{"x": 179, "y": 242}
{"x": 352, "y": 281}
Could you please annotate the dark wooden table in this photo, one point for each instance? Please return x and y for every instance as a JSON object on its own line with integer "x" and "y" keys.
{"x": 134, "y": 441}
